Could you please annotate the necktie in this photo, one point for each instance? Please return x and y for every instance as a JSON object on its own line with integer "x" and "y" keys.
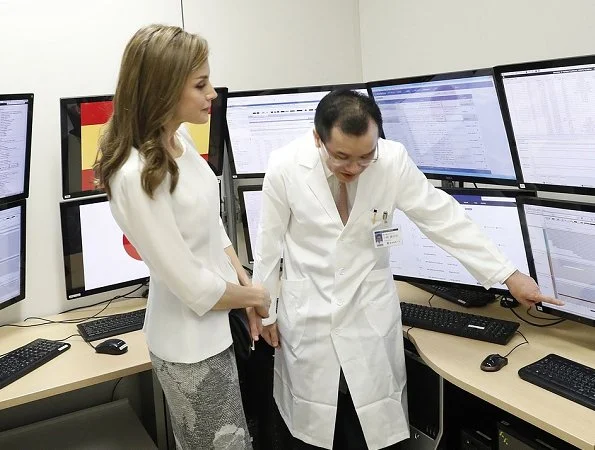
{"x": 342, "y": 205}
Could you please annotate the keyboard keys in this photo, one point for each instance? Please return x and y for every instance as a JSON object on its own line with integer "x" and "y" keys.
{"x": 20, "y": 361}
{"x": 467, "y": 325}
{"x": 563, "y": 377}
{"x": 112, "y": 325}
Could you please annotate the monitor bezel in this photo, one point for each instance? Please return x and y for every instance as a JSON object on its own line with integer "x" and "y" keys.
{"x": 22, "y": 203}
{"x": 472, "y": 73}
{"x": 247, "y": 238}
{"x": 217, "y": 149}
{"x": 551, "y": 203}
{"x": 30, "y": 97}
{"x": 533, "y": 65}
{"x": 278, "y": 91}
{"x": 72, "y": 293}
{"x": 67, "y": 193}
{"x": 487, "y": 192}
{"x": 218, "y": 130}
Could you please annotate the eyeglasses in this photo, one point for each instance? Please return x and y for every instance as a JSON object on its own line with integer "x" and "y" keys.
{"x": 363, "y": 161}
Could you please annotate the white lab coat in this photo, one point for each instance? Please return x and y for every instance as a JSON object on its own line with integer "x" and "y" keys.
{"x": 338, "y": 305}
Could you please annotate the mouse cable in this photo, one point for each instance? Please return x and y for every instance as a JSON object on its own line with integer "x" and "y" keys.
{"x": 518, "y": 345}
{"x": 407, "y": 333}
{"x": 541, "y": 325}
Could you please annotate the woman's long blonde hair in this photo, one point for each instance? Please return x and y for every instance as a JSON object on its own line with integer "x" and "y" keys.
{"x": 155, "y": 67}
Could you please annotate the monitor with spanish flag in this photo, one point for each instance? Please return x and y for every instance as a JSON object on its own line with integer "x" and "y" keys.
{"x": 82, "y": 120}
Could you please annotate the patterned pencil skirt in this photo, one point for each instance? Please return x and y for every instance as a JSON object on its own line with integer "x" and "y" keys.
{"x": 205, "y": 402}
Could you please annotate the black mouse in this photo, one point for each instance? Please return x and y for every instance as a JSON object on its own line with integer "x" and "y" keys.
{"x": 112, "y": 347}
{"x": 493, "y": 363}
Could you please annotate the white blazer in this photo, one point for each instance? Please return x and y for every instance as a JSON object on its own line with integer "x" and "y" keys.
{"x": 338, "y": 305}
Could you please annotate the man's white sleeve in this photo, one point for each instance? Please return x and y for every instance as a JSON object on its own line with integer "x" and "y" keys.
{"x": 271, "y": 233}
{"x": 442, "y": 219}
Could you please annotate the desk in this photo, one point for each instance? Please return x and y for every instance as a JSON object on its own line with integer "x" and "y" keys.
{"x": 457, "y": 360}
{"x": 76, "y": 368}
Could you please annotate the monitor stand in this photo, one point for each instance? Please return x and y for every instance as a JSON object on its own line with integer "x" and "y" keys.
{"x": 460, "y": 296}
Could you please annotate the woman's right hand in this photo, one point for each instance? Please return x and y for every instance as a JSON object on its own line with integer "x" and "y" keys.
{"x": 264, "y": 301}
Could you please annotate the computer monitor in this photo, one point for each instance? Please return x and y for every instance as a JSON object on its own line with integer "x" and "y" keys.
{"x": 551, "y": 114}
{"x": 12, "y": 252}
{"x": 82, "y": 119}
{"x": 561, "y": 238}
{"x": 97, "y": 255}
{"x": 451, "y": 125}
{"x": 418, "y": 259}
{"x": 259, "y": 122}
{"x": 250, "y": 207}
{"x": 16, "y": 119}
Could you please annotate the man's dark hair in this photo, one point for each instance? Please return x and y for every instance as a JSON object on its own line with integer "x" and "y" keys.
{"x": 348, "y": 110}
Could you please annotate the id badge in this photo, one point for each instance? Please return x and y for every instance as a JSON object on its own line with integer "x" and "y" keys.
{"x": 387, "y": 237}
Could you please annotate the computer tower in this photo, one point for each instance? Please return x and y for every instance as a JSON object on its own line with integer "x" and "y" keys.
{"x": 425, "y": 401}
{"x": 476, "y": 440}
{"x": 519, "y": 437}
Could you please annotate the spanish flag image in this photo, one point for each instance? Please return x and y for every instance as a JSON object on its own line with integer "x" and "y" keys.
{"x": 94, "y": 115}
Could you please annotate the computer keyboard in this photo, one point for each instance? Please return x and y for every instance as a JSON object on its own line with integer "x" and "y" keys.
{"x": 20, "y": 361}
{"x": 461, "y": 296}
{"x": 564, "y": 377}
{"x": 112, "y": 325}
{"x": 467, "y": 325}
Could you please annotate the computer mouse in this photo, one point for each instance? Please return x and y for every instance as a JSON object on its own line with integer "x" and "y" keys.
{"x": 112, "y": 347}
{"x": 493, "y": 363}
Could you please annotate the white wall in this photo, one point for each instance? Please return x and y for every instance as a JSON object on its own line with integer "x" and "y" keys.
{"x": 404, "y": 38}
{"x": 269, "y": 44}
{"x": 59, "y": 49}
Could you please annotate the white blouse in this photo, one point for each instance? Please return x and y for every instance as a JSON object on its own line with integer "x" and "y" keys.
{"x": 181, "y": 238}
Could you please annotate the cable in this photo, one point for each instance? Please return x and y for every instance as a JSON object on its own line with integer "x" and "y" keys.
{"x": 249, "y": 270}
{"x": 542, "y": 318}
{"x": 74, "y": 321}
{"x": 66, "y": 338}
{"x": 537, "y": 324}
{"x": 430, "y": 299}
{"x": 115, "y": 386}
{"x": 407, "y": 333}
{"x": 518, "y": 345}
{"x": 103, "y": 301}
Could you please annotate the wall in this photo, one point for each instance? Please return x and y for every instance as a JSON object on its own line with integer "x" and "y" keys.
{"x": 404, "y": 38}
{"x": 269, "y": 44}
{"x": 60, "y": 49}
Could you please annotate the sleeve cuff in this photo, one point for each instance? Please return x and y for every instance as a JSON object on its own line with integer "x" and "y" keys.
{"x": 272, "y": 314}
{"x": 499, "y": 277}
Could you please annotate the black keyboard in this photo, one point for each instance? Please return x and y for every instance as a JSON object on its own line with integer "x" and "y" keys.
{"x": 564, "y": 377}
{"x": 20, "y": 361}
{"x": 112, "y": 325}
{"x": 467, "y": 325}
{"x": 461, "y": 296}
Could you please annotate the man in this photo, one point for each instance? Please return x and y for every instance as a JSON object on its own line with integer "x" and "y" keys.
{"x": 340, "y": 368}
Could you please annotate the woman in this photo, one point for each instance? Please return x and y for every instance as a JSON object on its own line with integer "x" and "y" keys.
{"x": 165, "y": 198}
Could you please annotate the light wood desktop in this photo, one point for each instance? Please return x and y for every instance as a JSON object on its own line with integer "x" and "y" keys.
{"x": 457, "y": 360}
{"x": 76, "y": 368}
